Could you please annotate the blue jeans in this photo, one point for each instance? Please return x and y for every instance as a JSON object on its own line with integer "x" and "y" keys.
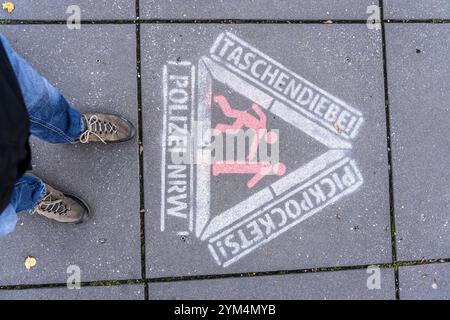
{"x": 51, "y": 119}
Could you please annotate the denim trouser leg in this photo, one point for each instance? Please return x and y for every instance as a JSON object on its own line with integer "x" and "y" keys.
{"x": 51, "y": 119}
{"x": 27, "y": 193}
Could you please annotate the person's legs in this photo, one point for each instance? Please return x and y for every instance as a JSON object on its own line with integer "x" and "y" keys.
{"x": 53, "y": 120}
{"x": 28, "y": 191}
{"x": 51, "y": 117}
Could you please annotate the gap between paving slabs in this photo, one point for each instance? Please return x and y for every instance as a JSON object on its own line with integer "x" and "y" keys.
{"x": 225, "y": 276}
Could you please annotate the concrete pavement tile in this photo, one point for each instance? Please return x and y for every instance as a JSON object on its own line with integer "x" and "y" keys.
{"x": 419, "y": 91}
{"x": 342, "y": 59}
{"x": 252, "y": 9}
{"x": 95, "y": 68}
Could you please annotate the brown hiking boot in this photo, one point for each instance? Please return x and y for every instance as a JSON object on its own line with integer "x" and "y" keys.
{"x": 61, "y": 207}
{"x": 106, "y": 128}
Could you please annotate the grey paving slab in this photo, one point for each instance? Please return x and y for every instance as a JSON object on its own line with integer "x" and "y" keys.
{"x": 419, "y": 91}
{"x": 341, "y": 59}
{"x": 122, "y": 292}
{"x": 95, "y": 69}
{"x": 57, "y": 10}
{"x": 426, "y": 282}
{"x": 339, "y": 285}
{"x": 417, "y": 9}
{"x": 255, "y": 9}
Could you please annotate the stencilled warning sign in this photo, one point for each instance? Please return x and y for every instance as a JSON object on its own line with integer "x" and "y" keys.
{"x": 278, "y": 195}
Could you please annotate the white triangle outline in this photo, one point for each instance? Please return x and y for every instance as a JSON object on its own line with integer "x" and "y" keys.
{"x": 211, "y": 68}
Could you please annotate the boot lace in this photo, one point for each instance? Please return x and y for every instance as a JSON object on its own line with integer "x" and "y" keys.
{"x": 97, "y": 128}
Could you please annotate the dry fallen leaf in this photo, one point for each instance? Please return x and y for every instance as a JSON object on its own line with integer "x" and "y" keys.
{"x": 328, "y": 22}
{"x": 8, "y": 6}
{"x": 30, "y": 262}
{"x": 338, "y": 128}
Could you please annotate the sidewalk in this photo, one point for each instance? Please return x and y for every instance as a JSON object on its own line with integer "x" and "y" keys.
{"x": 364, "y": 201}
